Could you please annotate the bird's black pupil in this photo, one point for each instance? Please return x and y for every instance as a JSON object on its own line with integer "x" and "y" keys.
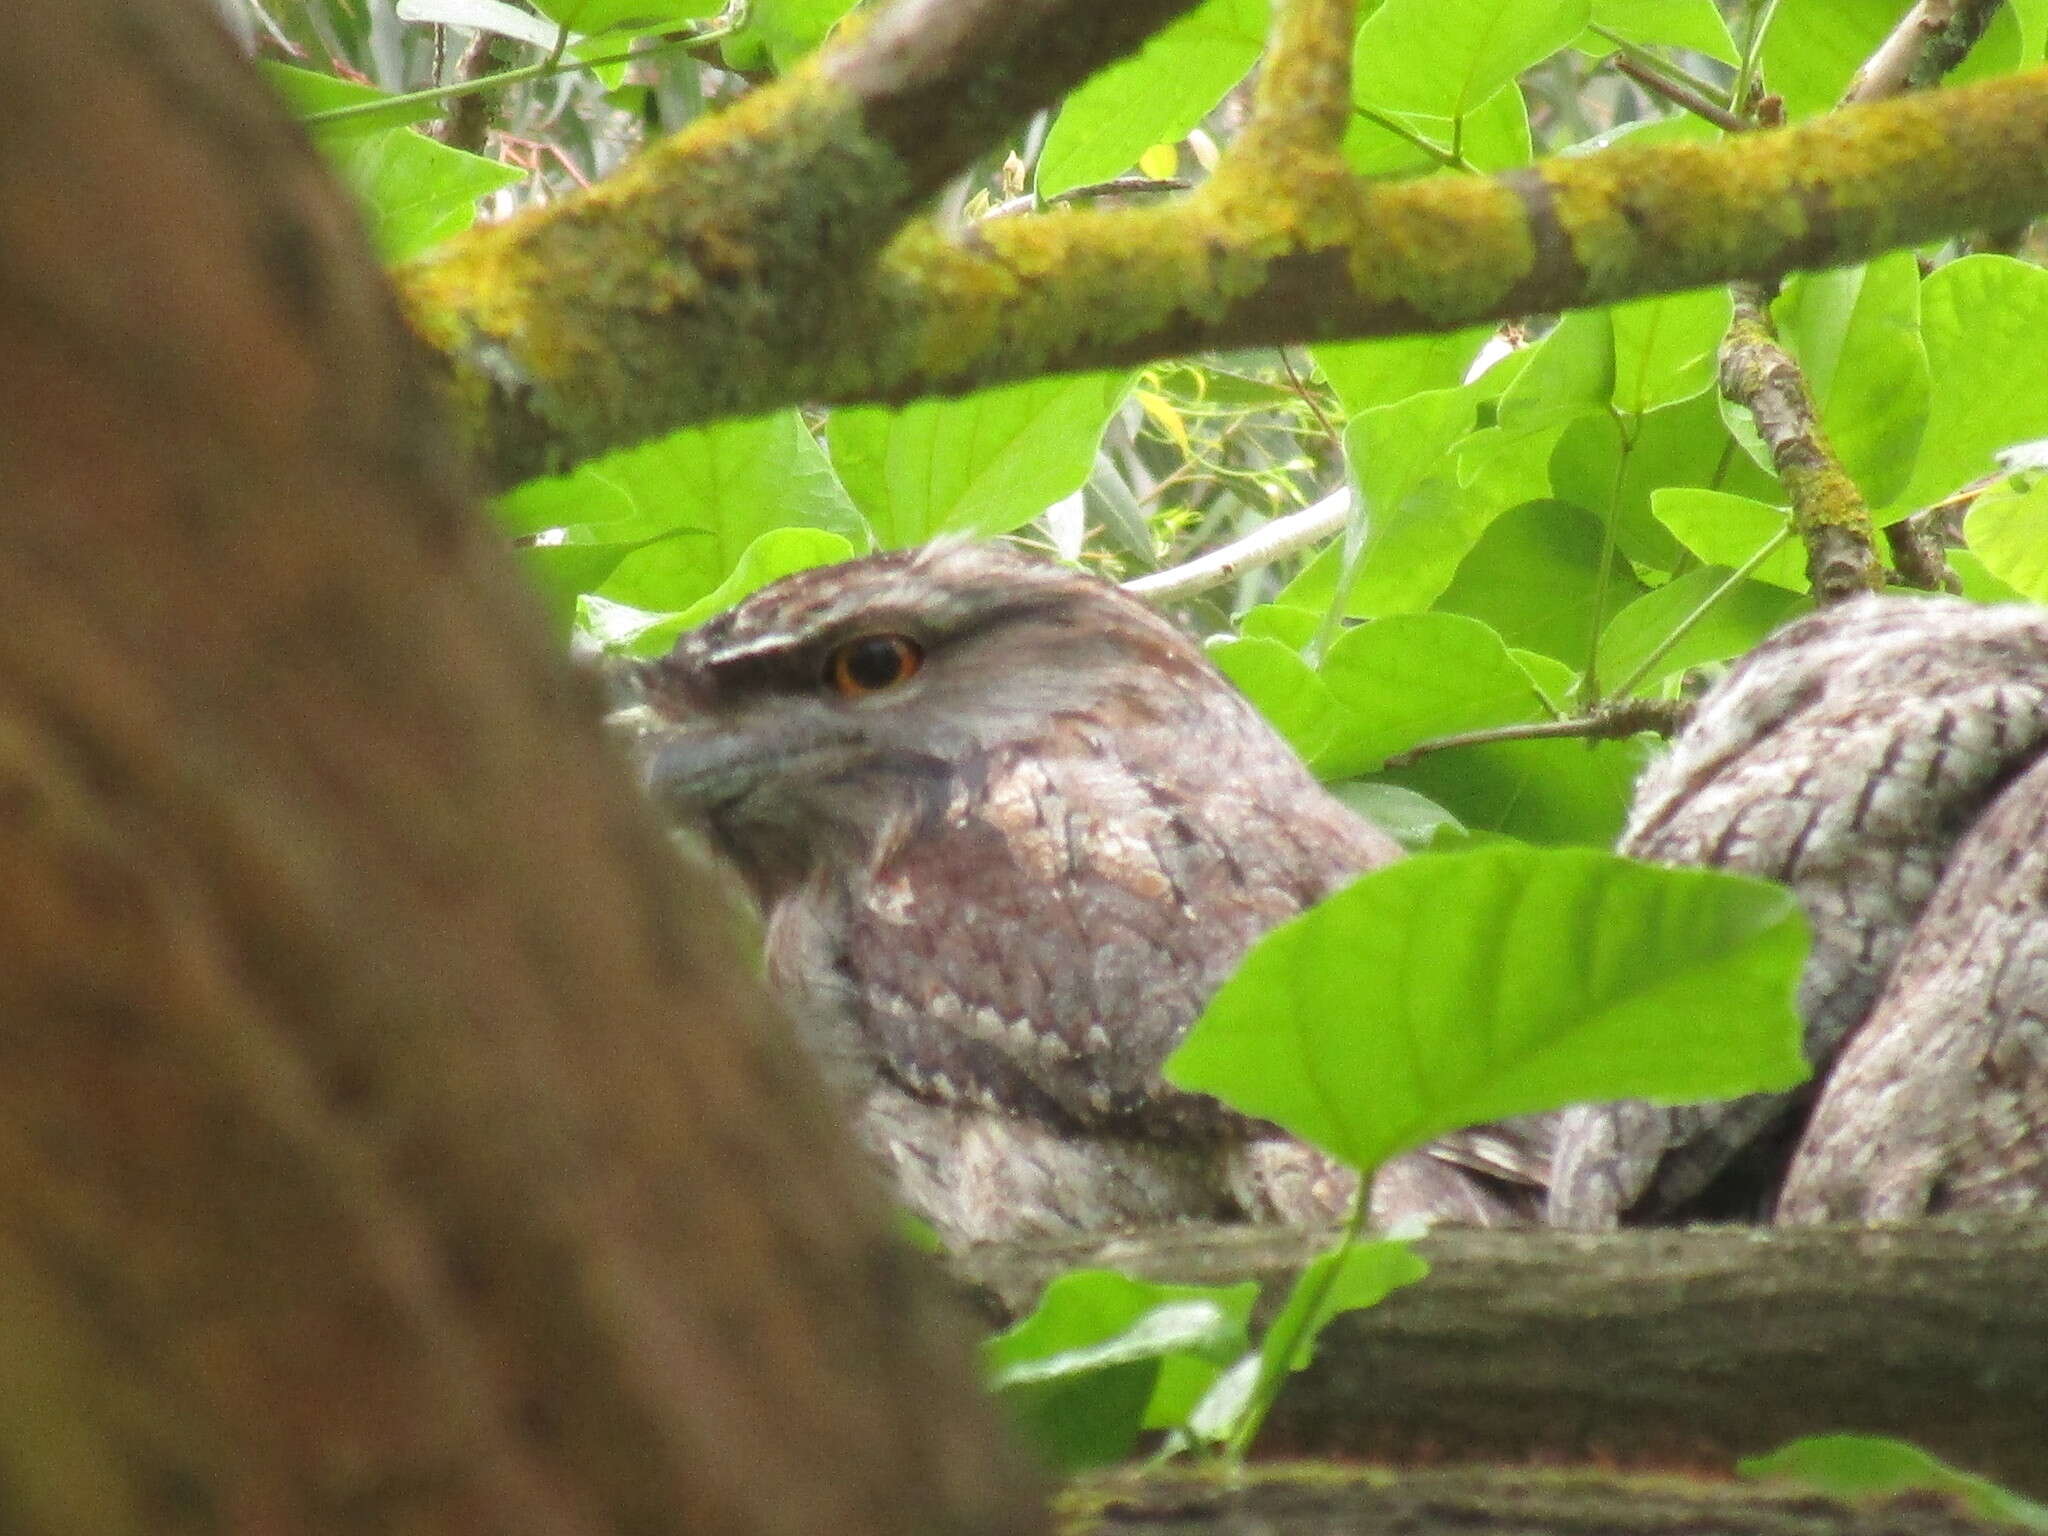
{"x": 875, "y": 662}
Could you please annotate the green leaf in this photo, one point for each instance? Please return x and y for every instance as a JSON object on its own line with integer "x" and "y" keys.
{"x": 1419, "y": 521}
{"x": 1815, "y": 47}
{"x": 624, "y": 16}
{"x": 1369, "y": 373}
{"x": 1294, "y": 700}
{"x": 564, "y": 572}
{"x": 1979, "y": 585}
{"x": 1665, "y": 348}
{"x": 1735, "y": 623}
{"x": 306, "y": 92}
{"x": 1294, "y": 628}
{"x": 1154, "y": 97}
{"x": 2009, "y": 532}
{"x": 1103, "y": 1354}
{"x": 732, "y": 481}
{"x": 778, "y": 553}
{"x": 986, "y": 463}
{"x": 1550, "y": 792}
{"x": 1610, "y": 467}
{"x": 1414, "y": 677}
{"x": 1447, "y": 56}
{"x": 1569, "y": 372}
{"x": 1693, "y": 24}
{"x": 414, "y": 192}
{"x": 779, "y": 32}
{"x": 1856, "y": 333}
{"x": 1535, "y": 576}
{"x": 1453, "y": 989}
{"x": 1853, "y": 1466}
{"x": 1493, "y": 136}
{"x": 1728, "y": 530}
{"x": 1982, "y": 319}
{"x": 1414, "y": 821}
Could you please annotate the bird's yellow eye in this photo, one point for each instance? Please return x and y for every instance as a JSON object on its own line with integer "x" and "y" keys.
{"x": 872, "y": 663}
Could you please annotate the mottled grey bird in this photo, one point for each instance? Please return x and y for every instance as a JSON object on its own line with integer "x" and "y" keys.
{"x": 1845, "y": 757}
{"x": 1939, "y": 1101}
{"x": 1009, "y": 829}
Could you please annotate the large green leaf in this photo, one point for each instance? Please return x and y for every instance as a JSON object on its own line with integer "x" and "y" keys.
{"x": 306, "y": 92}
{"x": 1548, "y": 792}
{"x": 634, "y": 16}
{"x": 1419, "y": 521}
{"x": 1569, "y": 372}
{"x": 1295, "y": 701}
{"x": 1983, "y": 319}
{"x": 1445, "y": 57}
{"x": 986, "y": 463}
{"x": 1453, "y": 989}
{"x": 779, "y": 32}
{"x": 778, "y": 553}
{"x": 1856, "y": 333}
{"x": 1153, "y": 97}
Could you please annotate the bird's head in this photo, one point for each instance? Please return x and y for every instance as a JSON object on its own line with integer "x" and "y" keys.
{"x": 841, "y": 707}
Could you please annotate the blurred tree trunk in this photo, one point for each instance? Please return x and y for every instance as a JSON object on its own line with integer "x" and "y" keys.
{"x": 388, "y": 1140}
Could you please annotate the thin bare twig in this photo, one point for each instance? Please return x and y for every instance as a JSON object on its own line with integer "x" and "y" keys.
{"x": 1679, "y": 95}
{"x": 1307, "y": 397}
{"x": 1614, "y": 721}
{"x": 1280, "y": 538}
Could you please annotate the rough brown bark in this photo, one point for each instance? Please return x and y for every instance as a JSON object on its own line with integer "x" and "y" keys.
{"x": 1679, "y": 1350}
{"x": 387, "y": 1138}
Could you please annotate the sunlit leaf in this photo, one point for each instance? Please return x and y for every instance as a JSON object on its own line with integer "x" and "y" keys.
{"x": 1453, "y": 989}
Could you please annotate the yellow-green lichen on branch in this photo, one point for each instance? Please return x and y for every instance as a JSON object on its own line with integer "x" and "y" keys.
{"x": 759, "y": 260}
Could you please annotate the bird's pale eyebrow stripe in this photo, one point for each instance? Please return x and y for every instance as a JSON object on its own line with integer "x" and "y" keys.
{"x": 764, "y": 645}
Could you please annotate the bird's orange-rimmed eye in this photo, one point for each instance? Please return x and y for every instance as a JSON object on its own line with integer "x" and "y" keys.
{"x": 871, "y": 663}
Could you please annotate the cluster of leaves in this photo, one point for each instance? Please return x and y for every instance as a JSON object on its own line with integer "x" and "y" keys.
{"x": 1535, "y": 528}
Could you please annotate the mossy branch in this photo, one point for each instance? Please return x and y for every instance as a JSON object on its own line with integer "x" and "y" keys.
{"x": 761, "y": 258}
{"x": 1828, "y": 511}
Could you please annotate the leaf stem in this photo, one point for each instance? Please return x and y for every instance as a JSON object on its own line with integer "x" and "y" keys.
{"x": 1686, "y": 625}
{"x": 1298, "y": 1316}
